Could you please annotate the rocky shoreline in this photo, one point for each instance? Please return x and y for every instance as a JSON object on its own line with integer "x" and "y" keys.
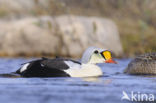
{"x": 65, "y": 35}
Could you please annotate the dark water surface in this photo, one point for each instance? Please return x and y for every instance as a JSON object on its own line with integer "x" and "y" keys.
{"x": 105, "y": 89}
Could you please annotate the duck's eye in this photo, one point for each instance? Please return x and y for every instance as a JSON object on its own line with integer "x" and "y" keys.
{"x": 106, "y": 55}
{"x": 96, "y": 52}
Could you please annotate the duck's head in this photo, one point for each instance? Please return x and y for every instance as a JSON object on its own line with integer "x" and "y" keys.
{"x": 97, "y": 55}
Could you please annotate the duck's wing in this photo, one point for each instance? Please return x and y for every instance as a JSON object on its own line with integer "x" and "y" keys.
{"x": 59, "y": 63}
{"x": 44, "y": 68}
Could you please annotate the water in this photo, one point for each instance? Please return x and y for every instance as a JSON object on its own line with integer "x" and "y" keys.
{"x": 105, "y": 89}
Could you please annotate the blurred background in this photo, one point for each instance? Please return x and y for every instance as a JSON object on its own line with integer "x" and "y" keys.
{"x": 34, "y": 28}
{"x": 67, "y": 27}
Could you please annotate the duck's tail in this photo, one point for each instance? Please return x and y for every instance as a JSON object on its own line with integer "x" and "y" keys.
{"x": 10, "y": 75}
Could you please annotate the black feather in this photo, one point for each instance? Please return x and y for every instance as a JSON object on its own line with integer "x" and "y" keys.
{"x": 45, "y": 67}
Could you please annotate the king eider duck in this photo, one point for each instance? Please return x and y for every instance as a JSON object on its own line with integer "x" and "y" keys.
{"x": 60, "y": 67}
{"x": 143, "y": 64}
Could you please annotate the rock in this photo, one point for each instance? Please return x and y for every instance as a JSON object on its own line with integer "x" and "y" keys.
{"x": 60, "y": 35}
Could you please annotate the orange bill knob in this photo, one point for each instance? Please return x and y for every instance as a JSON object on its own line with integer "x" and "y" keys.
{"x": 108, "y": 57}
{"x": 111, "y": 61}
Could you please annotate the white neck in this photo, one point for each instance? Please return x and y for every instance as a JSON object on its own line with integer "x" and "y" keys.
{"x": 95, "y": 59}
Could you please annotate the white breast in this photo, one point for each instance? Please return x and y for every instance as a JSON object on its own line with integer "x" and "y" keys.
{"x": 84, "y": 70}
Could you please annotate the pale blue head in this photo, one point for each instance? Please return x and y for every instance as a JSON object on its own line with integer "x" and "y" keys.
{"x": 96, "y": 55}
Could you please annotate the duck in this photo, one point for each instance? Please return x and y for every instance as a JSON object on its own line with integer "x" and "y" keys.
{"x": 64, "y": 67}
{"x": 144, "y": 64}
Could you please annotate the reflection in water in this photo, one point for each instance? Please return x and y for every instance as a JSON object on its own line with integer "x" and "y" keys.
{"x": 92, "y": 79}
{"x": 97, "y": 80}
{"x": 108, "y": 81}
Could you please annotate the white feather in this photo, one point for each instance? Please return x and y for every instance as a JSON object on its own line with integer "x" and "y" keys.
{"x": 85, "y": 70}
{"x": 24, "y": 67}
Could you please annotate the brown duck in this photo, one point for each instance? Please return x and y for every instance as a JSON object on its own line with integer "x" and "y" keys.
{"x": 143, "y": 64}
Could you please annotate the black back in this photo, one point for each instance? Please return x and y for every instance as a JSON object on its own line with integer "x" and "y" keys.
{"x": 46, "y": 68}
